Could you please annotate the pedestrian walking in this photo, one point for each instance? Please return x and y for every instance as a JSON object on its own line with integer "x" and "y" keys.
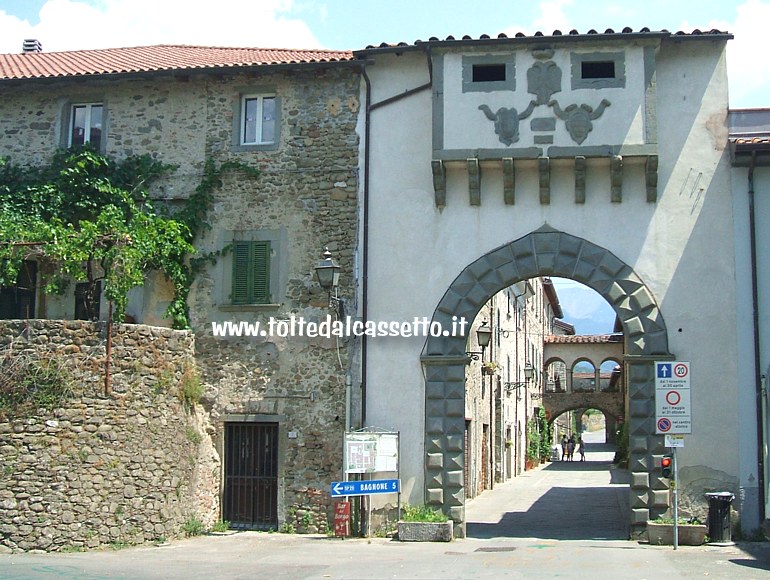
{"x": 582, "y": 449}
{"x": 564, "y": 446}
{"x": 570, "y": 447}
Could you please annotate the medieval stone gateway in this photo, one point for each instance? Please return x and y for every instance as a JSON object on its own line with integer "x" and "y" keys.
{"x": 545, "y": 252}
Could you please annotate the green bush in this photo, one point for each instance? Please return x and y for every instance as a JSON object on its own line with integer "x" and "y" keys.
{"x": 190, "y": 388}
{"x": 421, "y": 513}
{"x": 221, "y": 526}
{"x": 193, "y": 527}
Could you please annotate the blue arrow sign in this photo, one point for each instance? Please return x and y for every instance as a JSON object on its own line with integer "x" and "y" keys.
{"x": 370, "y": 487}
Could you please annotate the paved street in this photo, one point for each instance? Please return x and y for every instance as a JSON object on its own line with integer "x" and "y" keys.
{"x": 560, "y": 501}
{"x": 564, "y": 520}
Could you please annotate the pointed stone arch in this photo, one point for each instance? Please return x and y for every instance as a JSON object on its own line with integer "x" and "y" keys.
{"x": 545, "y": 252}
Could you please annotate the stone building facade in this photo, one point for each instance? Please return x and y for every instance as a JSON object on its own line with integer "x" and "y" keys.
{"x": 293, "y": 116}
{"x": 504, "y": 382}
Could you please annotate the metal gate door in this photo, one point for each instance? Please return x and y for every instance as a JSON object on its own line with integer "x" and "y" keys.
{"x": 251, "y": 475}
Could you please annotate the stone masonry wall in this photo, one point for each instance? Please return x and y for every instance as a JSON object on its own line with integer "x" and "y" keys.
{"x": 125, "y": 469}
{"x": 308, "y": 190}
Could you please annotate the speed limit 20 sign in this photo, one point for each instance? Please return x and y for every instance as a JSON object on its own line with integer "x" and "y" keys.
{"x": 672, "y": 398}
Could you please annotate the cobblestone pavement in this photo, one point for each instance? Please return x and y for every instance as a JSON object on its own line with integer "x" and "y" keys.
{"x": 563, "y": 520}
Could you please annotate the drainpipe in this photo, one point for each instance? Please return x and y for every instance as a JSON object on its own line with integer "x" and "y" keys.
{"x": 758, "y": 378}
{"x": 365, "y": 242}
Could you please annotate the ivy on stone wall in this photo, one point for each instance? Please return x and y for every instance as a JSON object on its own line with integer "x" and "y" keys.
{"x": 85, "y": 209}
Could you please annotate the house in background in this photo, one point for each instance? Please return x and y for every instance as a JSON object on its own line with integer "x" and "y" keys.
{"x": 504, "y": 383}
{"x": 279, "y": 404}
{"x": 749, "y": 145}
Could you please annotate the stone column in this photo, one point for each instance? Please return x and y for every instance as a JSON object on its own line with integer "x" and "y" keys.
{"x": 445, "y": 436}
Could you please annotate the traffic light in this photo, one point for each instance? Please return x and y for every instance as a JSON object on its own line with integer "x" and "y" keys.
{"x": 667, "y": 466}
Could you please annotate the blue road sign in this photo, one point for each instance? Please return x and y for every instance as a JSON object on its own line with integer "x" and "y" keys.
{"x": 370, "y": 487}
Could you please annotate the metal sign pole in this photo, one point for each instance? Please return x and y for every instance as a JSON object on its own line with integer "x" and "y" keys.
{"x": 676, "y": 500}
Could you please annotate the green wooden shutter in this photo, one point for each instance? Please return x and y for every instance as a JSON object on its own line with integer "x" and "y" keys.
{"x": 261, "y": 268}
{"x": 251, "y": 272}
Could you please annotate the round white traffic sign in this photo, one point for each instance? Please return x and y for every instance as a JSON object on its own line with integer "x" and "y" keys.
{"x": 673, "y": 398}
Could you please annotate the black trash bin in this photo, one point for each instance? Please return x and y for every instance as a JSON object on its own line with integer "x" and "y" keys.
{"x": 719, "y": 517}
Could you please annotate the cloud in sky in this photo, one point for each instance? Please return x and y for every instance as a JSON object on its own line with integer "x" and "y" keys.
{"x": 74, "y": 25}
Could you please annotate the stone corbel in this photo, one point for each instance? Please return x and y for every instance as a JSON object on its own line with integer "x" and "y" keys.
{"x": 580, "y": 179}
{"x": 651, "y": 178}
{"x": 616, "y": 179}
{"x": 439, "y": 182}
{"x": 544, "y": 163}
{"x": 474, "y": 180}
{"x": 509, "y": 181}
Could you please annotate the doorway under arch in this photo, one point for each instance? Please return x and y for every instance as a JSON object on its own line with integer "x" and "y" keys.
{"x": 545, "y": 252}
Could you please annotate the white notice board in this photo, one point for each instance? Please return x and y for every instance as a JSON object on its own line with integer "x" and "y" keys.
{"x": 367, "y": 452}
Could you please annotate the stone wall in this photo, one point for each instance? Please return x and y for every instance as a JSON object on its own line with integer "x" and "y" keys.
{"x": 128, "y": 468}
{"x": 306, "y": 196}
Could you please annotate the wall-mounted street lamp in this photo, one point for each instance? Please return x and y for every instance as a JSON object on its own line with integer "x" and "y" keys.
{"x": 483, "y": 337}
{"x": 529, "y": 372}
{"x": 328, "y": 273}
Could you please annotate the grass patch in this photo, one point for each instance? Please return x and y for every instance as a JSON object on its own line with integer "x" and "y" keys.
{"x": 682, "y": 521}
{"x": 193, "y": 527}
{"x": 421, "y": 513}
{"x": 221, "y": 526}
{"x": 193, "y": 436}
{"x": 190, "y": 388}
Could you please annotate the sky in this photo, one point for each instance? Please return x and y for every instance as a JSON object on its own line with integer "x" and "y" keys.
{"x": 354, "y": 24}
{"x": 585, "y": 309}
{"x": 62, "y": 25}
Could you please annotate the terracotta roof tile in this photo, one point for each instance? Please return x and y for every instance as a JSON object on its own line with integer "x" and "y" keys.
{"x": 154, "y": 58}
{"x": 751, "y": 140}
{"x": 556, "y": 33}
{"x": 583, "y": 339}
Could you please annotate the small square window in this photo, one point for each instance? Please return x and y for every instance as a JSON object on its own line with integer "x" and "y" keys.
{"x": 598, "y": 70}
{"x": 485, "y": 73}
{"x": 86, "y": 122}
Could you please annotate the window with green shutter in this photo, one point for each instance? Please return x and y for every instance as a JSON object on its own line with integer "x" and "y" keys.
{"x": 251, "y": 272}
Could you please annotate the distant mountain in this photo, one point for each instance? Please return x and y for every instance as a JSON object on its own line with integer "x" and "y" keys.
{"x": 585, "y": 309}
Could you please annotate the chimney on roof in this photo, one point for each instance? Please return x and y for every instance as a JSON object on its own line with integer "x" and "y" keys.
{"x": 32, "y": 45}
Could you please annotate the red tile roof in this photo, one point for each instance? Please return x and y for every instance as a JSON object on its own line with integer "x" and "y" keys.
{"x": 751, "y": 140}
{"x": 154, "y": 58}
{"x": 583, "y": 339}
{"x": 538, "y": 36}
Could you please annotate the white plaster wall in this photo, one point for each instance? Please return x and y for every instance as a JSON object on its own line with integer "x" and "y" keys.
{"x": 465, "y": 126}
{"x": 681, "y": 246}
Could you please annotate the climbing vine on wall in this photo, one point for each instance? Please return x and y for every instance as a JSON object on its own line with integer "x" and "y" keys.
{"x": 85, "y": 209}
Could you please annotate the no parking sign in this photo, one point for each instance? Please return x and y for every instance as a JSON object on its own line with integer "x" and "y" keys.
{"x": 672, "y": 398}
